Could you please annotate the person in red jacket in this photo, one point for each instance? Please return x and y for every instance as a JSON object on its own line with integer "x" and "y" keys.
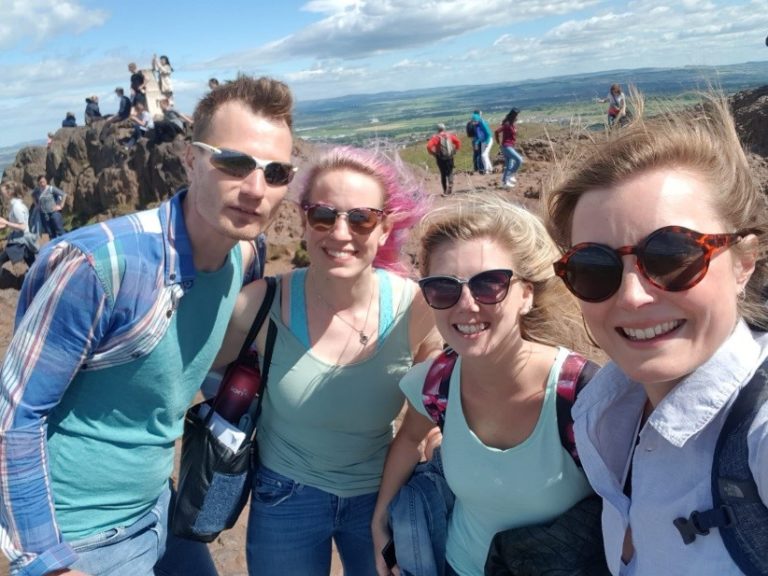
{"x": 443, "y": 146}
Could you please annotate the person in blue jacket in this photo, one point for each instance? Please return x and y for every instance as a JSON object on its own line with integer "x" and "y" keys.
{"x": 483, "y": 141}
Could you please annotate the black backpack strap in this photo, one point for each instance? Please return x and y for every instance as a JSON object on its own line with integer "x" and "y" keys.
{"x": 245, "y": 353}
{"x": 575, "y": 373}
{"x": 738, "y": 511}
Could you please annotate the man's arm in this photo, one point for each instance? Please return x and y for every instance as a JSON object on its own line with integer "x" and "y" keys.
{"x": 58, "y": 197}
{"x": 62, "y": 315}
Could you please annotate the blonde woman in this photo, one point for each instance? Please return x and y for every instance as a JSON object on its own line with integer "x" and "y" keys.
{"x": 668, "y": 284}
{"x": 487, "y": 274}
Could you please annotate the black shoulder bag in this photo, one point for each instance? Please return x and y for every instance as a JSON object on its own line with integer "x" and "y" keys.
{"x": 214, "y": 481}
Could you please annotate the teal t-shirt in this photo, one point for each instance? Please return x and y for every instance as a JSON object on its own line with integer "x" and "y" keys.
{"x": 530, "y": 483}
{"x": 329, "y": 426}
{"x": 111, "y": 438}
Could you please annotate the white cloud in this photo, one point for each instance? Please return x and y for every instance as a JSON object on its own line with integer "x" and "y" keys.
{"x": 355, "y": 29}
{"x": 38, "y": 20}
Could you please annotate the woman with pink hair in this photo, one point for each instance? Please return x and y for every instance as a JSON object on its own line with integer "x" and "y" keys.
{"x": 348, "y": 328}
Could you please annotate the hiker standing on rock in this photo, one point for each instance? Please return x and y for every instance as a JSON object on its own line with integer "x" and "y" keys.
{"x": 443, "y": 146}
{"x": 670, "y": 286}
{"x": 116, "y": 327}
{"x": 348, "y": 327}
{"x": 49, "y": 202}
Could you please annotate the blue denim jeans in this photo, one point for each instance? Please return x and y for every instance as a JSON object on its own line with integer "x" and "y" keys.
{"x": 291, "y": 526}
{"x": 419, "y": 516}
{"x": 512, "y": 162}
{"x": 53, "y": 224}
{"x": 144, "y": 548}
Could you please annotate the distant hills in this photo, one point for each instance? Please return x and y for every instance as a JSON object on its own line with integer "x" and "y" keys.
{"x": 408, "y": 114}
{"x": 392, "y": 114}
{"x": 8, "y": 153}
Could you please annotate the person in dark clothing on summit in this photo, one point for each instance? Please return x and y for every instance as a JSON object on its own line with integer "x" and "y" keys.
{"x": 123, "y": 111}
{"x": 92, "y": 111}
{"x": 138, "y": 85}
{"x": 69, "y": 121}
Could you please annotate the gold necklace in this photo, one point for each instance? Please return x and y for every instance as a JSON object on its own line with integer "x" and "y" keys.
{"x": 363, "y": 337}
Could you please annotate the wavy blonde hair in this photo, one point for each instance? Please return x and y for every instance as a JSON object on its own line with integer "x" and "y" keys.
{"x": 554, "y": 318}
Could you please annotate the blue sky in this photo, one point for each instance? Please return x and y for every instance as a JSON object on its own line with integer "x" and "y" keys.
{"x": 54, "y": 53}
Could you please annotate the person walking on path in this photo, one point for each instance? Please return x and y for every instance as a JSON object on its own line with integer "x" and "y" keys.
{"x": 483, "y": 141}
{"x": 116, "y": 327}
{"x": 506, "y": 137}
{"x": 443, "y": 146}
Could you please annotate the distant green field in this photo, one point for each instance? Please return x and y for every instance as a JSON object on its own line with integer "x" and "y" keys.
{"x": 408, "y": 117}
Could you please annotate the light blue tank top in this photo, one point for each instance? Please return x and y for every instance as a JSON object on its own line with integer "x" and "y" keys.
{"x": 530, "y": 483}
{"x": 329, "y": 426}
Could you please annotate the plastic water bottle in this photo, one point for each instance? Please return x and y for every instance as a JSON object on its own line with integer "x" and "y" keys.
{"x": 240, "y": 386}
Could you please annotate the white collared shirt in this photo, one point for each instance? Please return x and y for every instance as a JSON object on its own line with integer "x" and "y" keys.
{"x": 671, "y": 469}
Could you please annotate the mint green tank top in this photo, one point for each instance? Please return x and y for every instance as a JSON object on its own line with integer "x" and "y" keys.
{"x": 111, "y": 438}
{"x": 329, "y": 426}
{"x": 530, "y": 483}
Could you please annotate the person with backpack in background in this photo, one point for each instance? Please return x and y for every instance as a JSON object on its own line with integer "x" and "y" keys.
{"x": 671, "y": 288}
{"x": 477, "y": 162}
{"x": 443, "y": 146}
{"x": 512, "y": 158}
{"x": 483, "y": 142}
{"x": 487, "y": 274}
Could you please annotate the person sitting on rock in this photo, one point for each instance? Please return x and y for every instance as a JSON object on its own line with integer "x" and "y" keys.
{"x": 142, "y": 121}
{"x": 69, "y": 121}
{"x": 92, "y": 111}
{"x": 172, "y": 124}
{"x": 123, "y": 112}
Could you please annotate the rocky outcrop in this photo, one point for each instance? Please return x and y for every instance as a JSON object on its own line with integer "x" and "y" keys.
{"x": 100, "y": 176}
{"x": 750, "y": 111}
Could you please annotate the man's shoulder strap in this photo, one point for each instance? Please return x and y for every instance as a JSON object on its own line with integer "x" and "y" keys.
{"x": 575, "y": 372}
{"x": 434, "y": 393}
{"x": 738, "y": 511}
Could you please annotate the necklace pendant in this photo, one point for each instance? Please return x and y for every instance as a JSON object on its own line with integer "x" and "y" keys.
{"x": 363, "y": 339}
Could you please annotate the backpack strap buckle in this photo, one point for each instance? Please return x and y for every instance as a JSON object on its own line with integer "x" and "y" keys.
{"x": 700, "y": 523}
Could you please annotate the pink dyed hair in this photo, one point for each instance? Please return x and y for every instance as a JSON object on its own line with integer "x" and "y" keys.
{"x": 405, "y": 200}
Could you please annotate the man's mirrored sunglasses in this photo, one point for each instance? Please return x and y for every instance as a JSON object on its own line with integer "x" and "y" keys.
{"x": 239, "y": 164}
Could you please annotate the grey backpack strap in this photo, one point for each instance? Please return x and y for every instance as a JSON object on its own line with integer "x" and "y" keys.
{"x": 738, "y": 512}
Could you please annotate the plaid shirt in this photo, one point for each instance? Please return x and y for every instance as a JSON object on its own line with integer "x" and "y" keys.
{"x": 102, "y": 296}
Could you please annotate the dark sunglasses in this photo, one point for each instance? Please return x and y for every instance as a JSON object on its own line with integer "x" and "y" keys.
{"x": 672, "y": 258}
{"x": 489, "y": 287}
{"x": 240, "y": 164}
{"x": 360, "y": 220}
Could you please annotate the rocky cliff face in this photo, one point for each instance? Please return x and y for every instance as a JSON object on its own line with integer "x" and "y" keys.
{"x": 102, "y": 178}
{"x": 750, "y": 110}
